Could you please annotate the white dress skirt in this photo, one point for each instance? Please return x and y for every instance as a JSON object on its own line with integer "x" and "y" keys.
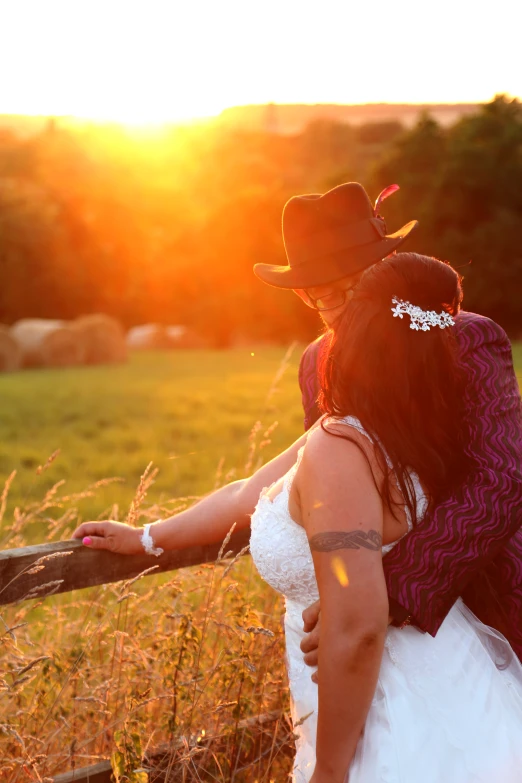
{"x": 446, "y": 709}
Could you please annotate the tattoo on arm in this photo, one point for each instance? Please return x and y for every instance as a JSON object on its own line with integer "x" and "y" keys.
{"x": 352, "y": 539}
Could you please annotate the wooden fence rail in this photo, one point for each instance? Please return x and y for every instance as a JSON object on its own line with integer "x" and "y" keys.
{"x": 68, "y": 565}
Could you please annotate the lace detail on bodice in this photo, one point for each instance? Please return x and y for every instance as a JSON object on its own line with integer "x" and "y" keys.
{"x": 280, "y": 547}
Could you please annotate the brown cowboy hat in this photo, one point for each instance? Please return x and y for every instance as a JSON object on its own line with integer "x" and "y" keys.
{"x": 331, "y": 236}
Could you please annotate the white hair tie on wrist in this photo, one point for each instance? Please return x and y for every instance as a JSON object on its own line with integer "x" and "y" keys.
{"x": 148, "y": 543}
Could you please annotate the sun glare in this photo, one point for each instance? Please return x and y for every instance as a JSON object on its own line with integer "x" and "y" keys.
{"x": 142, "y": 116}
{"x": 163, "y": 61}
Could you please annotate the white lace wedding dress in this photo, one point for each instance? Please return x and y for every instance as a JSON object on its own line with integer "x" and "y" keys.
{"x": 446, "y": 709}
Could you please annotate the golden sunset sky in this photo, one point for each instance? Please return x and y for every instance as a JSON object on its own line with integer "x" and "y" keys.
{"x": 148, "y": 61}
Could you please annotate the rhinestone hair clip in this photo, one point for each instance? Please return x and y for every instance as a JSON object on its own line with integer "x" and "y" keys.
{"x": 421, "y": 320}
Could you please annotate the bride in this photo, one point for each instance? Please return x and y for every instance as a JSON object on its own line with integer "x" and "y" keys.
{"x": 390, "y": 705}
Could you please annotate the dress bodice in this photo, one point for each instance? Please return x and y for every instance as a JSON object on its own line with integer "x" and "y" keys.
{"x": 279, "y": 545}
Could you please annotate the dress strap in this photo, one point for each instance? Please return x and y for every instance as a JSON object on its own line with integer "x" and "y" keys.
{"x": 287, "y": 483}
{"x": 352, "y": 421}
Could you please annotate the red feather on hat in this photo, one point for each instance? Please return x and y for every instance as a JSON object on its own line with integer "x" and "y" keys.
{"x": 384, "y": 194}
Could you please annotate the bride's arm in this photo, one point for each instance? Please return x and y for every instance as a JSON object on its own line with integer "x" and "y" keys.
{"x": 342, "y": 513}
{"x": 206, "y": 522}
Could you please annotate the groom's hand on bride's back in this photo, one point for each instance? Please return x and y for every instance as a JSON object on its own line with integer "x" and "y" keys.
{"x": 114, "y": 536}
{"x": 310, "y": 643}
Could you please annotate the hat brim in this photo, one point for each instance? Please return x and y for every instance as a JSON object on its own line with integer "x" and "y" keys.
{"x": 333, "y": 267}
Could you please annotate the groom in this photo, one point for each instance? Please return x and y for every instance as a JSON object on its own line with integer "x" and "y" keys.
{"x": 470, "y": 545}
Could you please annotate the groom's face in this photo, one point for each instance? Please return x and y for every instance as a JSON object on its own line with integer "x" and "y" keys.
{"x": 330, "y": 299}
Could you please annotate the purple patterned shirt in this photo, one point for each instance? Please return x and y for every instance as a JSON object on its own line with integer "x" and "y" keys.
{"x": 471, "y": 544}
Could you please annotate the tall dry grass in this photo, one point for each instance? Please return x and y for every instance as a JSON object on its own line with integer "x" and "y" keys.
{"x": 178, "y": 662}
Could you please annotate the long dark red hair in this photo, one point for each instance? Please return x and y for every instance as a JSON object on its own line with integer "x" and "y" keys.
{"x": 403, "y": 385}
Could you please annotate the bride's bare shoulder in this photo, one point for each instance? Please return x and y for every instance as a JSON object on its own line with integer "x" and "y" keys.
{"x": 335, "y": 474}
{"x": 334, "y": 447}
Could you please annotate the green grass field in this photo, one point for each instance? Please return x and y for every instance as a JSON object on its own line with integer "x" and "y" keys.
{"x": 517, "y": 359}
{"x": 189, "y": 412}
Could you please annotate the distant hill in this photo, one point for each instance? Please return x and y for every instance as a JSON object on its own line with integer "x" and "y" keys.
{"x": 26, "y": 125}
{"x": 22, "y": 125}
{"x": 285, "y": 119}
{"x": 292, "y": 118}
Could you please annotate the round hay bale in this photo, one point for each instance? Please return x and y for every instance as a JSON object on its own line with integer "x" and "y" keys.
{"x": 10, "y": 353}
{"x": 184, "y": 337}
{"x": 102, "y": 337}
{"x": 148, "y": 337}
{"x": 47, "y": 343}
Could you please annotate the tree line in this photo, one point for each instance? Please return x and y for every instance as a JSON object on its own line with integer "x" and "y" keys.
{"x": 166, "y": 229}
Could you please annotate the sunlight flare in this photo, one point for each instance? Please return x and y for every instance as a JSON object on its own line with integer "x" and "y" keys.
{"x": 339, "y": 570}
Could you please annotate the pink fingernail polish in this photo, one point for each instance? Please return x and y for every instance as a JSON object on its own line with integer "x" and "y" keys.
{"x": 87, "y": 541}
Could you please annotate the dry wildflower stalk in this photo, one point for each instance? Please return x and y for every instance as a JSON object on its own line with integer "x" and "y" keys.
{"x": 11, "y": 730}
{"x": 236, "y": 558}
{"x": 225, "y": 542}
{"x": 283, "y": 367}
{"x": 31, "y": 664}
{"x": 35, "y": 592}
{"x": 130, "y": 582}
{"x": 49, "y": 497}
{"x": 256, "y": 630}
{"x": 219, "y": 473}
{"x": 5, "y": 492}
{"x": 252, "y": 447}
{"x": 53, "y": 556}
{"x": 267, "y": 435}
{"x": 115, "y": 512}
{"x": 126, "y": 597}
{"x": 10, "y": 631}
{"x": 55, "y": 525}
{"x": 34, "y": 568}
{"x": 20, "y": 681}
{"x": 250, "y": 467}
{"x": 90, "y": 491}
{"x": 146, "y": 481}
{"x": 38, "y": 565}
{"x": 40, "y": 469}
{"x": 302, "y": 720}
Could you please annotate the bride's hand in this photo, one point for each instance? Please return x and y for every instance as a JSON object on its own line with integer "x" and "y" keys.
{"x": 114, "y": 536}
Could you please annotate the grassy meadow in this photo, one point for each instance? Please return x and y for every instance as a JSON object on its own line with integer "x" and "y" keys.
{"x": 190, "y": 413}
{"x": 517, "y": 360}
{"x": 119, "y": 668}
